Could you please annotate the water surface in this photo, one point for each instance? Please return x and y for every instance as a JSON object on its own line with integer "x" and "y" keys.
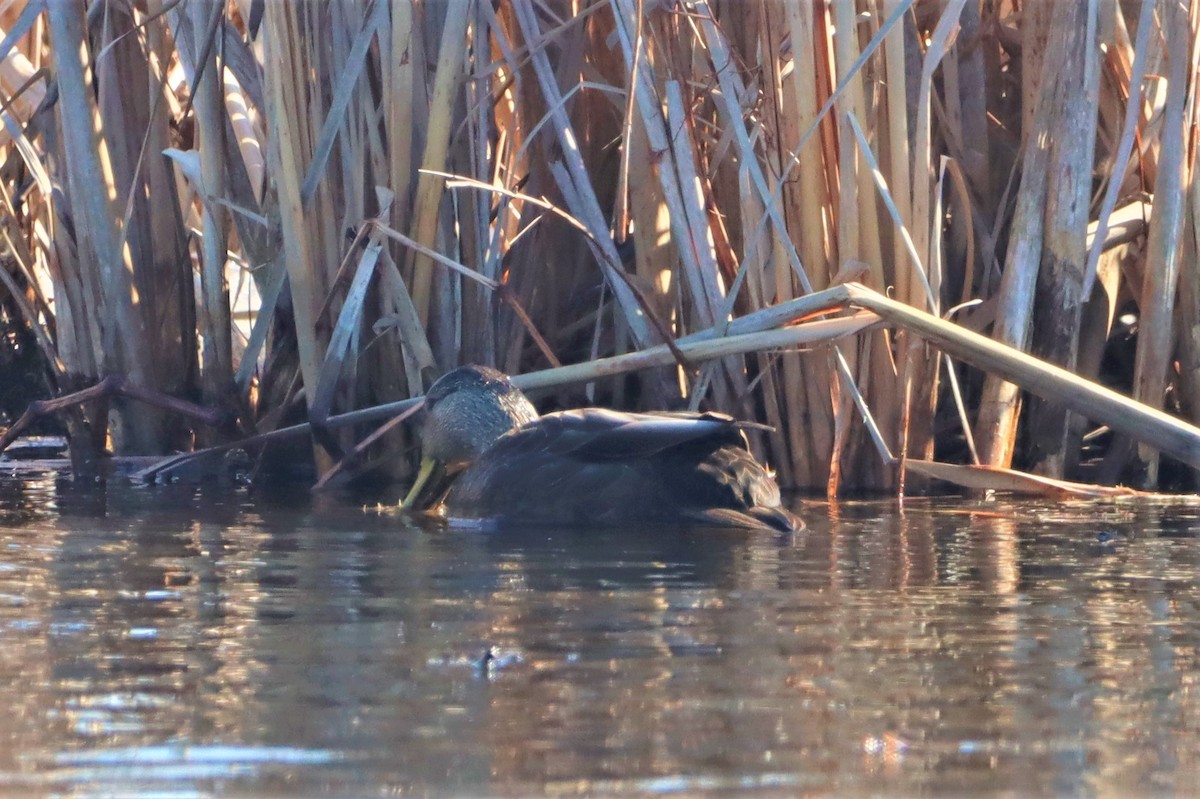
{"x": 211, "y": 641}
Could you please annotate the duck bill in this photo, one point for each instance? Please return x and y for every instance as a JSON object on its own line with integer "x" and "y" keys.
{"x": 431, "y": 485}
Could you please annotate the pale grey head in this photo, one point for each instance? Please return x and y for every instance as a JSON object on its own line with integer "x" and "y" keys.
{"x": 466, "y": 411}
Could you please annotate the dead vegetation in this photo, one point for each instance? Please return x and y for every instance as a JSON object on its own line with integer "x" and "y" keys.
{"x": 288, "y": 212}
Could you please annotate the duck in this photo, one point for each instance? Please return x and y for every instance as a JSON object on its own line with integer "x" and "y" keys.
{"x": 488, "y": 456}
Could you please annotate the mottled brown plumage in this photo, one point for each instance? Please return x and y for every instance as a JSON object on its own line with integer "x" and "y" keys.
{"x": 484, "y": 444}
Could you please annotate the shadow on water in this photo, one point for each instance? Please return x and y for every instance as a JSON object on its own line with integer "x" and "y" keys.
{"x": 209, "y": 640}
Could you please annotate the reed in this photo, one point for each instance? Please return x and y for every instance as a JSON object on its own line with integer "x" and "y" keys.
{"x": 297, "y": 216}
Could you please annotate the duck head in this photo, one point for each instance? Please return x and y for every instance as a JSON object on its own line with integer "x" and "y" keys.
{"x": 466, "y": 410}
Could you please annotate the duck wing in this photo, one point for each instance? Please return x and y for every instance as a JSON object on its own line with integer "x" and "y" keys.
{"x": 601, "y": 467}
{"x": 597, "y": 434}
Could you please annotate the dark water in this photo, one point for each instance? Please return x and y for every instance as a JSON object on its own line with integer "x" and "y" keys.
{"x": 183, "y": 641}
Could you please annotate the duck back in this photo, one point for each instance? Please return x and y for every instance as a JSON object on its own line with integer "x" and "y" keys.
{"x": 600, "y": 467}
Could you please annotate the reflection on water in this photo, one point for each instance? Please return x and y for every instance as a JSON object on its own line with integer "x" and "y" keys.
{"x": 207, "y": 641}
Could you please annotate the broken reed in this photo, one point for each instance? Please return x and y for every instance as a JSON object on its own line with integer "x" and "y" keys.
{"x": 631, "y": 172}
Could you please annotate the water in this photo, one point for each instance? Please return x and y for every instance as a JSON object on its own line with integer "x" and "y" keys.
{"x": 186, "y": 641}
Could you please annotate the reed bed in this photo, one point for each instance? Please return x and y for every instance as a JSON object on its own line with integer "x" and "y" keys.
{"x": 287, "y": 212}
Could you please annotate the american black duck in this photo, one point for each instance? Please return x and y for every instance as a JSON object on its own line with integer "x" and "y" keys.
{"x": 488, "y": 455}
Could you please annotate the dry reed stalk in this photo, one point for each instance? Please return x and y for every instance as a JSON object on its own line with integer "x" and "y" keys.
{"x": 857, "y": 229}
{"x": 1157, "y": 300}
{"x": 401, "y": 100}
{"x": 572, "y": 178}
{"x": 621, "y": 208}
{"x": 520, "y": 232}
{"x": 1188, "y": 314}
{"x": 350, "y": 70}
{"x": 89, "y": 162}
{"x": 770, "y": 263}
{"x": 899, "y": 154}
{"x": 1036, "y": 31}
{"x": 427, "y": 206}
{"x": 808, "y": 378}
{"x": 919, "y": 276}
{"x": 474, "y": 310}
{"x": 860, "y": 239}
{"x": 417, "y": 353}
{"x": 343, "y": 344}
{"x": 78, "y": 338}
{"x": 285, "y": 104}
{"x": 779, "y": 375}
{"x": 1060, "y": 297}
{"x": 22, "y": 86}
{"x": 270, "y": 292}
{"x": 1138, "y": 420}
{"x": 855, "y": 363}
{"x": 216, "y": 375}
{"x": 500, "y": 290}
{"x": 995, "y": 426}
{"x": 716, "y": 347}
{"x": 134, "y": 101}
{"x": 1188, "y": 308}
{"x": 918, "y": 364}
{"x": 991, "y": 478}
{"x": 973, "y": 96}
{"x": 1149, "y": 107}
{"x": 912, "y": 288}
{"x": 730, "y": 99}
{"x": 656, "y": 253}
{"x": 685, "y": 201}
{"x": 1129, "y": 127}
{"x": 404, "y": 100}
{"x": 348, "y": 171}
